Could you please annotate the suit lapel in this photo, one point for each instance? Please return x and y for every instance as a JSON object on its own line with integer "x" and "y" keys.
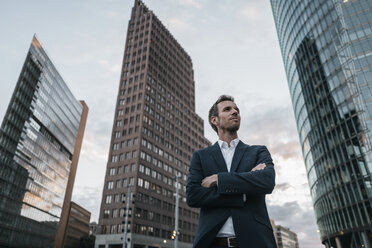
{"x": 238, "y": 154}
{"x": 218, "y": 157}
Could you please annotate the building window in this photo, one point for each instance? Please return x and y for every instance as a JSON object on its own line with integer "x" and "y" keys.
{"x": 115, "y": 213}
{"x": 154, "y": 161}
{"x": 114, "y": 158}
{"x": 106, "y": 214}
{"x": 147, "y": 171}
{"x": 153, "y": 174}
{"x": 116, "y": 198}
{"x": 140, "y": 182}
{"x": 110, "y": 185}
{"x": 108, "y": 199}
{"x": 121, "y": 212}
{"x": 138, "y": 212}
{"x": 113, "y": 229}
{"x": 127, "y": 155}
{"x": 131, "y": 181}
{"x": 118, "y": 184}
{"x": 143, "y": 155}
{"x": 149, "y": 146}
{"x": 146, "y": 184}
{"x": 112, "y": 171}
{"x": 148, "y": 158}
{"x": 120, "y": 228}
{"x": 117, "y": 135}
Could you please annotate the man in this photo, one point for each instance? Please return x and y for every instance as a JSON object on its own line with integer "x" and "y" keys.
{"x": 228, "y": 182}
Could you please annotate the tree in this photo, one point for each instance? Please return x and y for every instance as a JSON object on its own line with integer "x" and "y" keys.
{"x": 87, "y": 241}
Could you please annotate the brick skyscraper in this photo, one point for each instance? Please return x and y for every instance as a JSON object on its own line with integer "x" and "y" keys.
{"x": 154, "y": 133}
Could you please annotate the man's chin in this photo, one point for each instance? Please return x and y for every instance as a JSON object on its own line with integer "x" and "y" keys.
{"x": 233, "y": 129}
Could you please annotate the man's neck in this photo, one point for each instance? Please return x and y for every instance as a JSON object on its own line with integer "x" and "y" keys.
{"x": 227, "y": 137}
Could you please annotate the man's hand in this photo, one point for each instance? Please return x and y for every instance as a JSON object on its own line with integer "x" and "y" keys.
{"x": 210, "y": 181}
{"x": 259, "y": 167}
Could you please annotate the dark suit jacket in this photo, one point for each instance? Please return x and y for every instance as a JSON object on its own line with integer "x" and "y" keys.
{"x": 250, "y": 219}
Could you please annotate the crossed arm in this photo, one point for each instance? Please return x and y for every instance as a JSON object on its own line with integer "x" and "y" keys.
{"x": 212, "y": 181}
{"x": 201, "y": 192}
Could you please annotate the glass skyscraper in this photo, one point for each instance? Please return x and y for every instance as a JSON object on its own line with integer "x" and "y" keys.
{"x": 40, "y": 137}
{"x": 327, "y": 52}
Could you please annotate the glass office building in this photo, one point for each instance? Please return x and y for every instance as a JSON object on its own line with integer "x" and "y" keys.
{"x": 37, "y": 144}
{"x": 327, "y": 52}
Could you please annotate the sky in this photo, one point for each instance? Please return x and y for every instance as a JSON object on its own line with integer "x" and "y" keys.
{"x": 234, "y": 48}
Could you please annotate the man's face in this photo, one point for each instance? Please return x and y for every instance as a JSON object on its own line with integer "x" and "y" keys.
{"x": 228, "y": 116}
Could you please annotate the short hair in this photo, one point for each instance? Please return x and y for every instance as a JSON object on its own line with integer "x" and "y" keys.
{"x": 214, "y": 109}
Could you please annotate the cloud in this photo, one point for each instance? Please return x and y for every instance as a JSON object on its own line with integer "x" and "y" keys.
{"x": 89, "y": 198}
{"x": 273, "y": 126}
{"x": 112, "y": 67}
{"x": 95, "y": 147}
{"x": 251, "y": 11}
{"x": 178, "y": 25}
{"x": 282, "y": 186}
{"x": 192, "y": 3}
{"x": 287, "y": 149}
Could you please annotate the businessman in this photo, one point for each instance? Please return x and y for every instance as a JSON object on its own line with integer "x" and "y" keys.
{"x": 228, "y": 181}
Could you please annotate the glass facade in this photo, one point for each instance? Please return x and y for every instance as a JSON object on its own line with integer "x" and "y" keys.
{"x": 327, "y": 52}
{"x": 37, "y": 140}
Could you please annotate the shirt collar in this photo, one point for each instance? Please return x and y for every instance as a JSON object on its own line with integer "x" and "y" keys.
{"x": 233, "y": 143}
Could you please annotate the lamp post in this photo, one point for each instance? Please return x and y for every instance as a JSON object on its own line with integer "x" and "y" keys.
{"x": 176, "y": 213}
{"x": 126, "y": 219}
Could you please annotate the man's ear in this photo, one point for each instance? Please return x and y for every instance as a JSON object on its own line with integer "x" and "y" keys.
{"x": 214, "y": 120}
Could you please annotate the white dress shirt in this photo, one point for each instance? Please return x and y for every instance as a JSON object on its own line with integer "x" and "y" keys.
{"x": 227, "y": 229}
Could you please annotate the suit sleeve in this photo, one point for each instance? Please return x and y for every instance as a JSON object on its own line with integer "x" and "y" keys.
{"x": 252, "y": 182}
{"x": 198, "y": 196}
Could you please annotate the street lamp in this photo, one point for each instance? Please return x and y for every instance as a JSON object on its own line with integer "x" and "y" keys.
{"x": 175, "y": 231}
{"x": 125, "y": 240}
